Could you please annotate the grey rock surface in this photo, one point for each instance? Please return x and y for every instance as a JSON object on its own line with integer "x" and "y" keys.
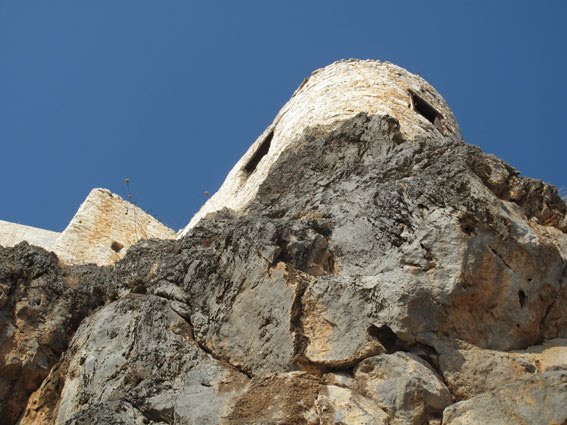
{"x": 41, "y": 305}
{"x": 338, "y": 405}
{"x": 139, "y": 351}
{"x": 538, "y": 400}
{"x": 404, "y": 386}
{"x": 373, "y": 278}
{"x": 470, "y": 370}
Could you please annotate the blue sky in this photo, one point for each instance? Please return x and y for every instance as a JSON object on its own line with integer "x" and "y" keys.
{"x": 170, "y": 93}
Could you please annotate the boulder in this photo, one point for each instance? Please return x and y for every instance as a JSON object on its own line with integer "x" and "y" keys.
{"x": 403, "y": 385}
{"x": 470, "y": 370}
{"x": 540, "y": 399}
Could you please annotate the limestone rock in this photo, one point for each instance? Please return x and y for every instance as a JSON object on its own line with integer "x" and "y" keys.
{"x": 403, "y": 385}
{"x": 541, "y": 399}
{"x": 470, "y": 370}
{"x": 338, "y": 406}
{"x": 112, "y": 413}
{"x": 40, "y": 308}
{"x": 276, "y": 399}
{"x": 551, "y": 355}
{"x": 369, "y": 267}
{"x": 136, "y": 351}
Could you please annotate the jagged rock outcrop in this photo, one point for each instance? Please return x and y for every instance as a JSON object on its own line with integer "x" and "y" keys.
{"x": 41, "y": 305}
{"x": 382, "y": 272}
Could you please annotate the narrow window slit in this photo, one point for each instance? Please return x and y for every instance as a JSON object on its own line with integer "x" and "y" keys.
{"x": 259, "y": 154}
{"x": 425, "y": 109}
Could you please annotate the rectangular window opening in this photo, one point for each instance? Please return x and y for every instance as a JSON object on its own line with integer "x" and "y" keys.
{"x": 425, "y": 109}
{"x": 260, "y": 153}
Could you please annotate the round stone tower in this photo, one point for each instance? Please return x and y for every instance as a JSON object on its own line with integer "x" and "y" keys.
{"x": 329, "y": 97}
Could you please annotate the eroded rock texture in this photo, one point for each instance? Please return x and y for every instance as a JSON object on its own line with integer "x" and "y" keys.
{"x": 41, "y": 305}
{"x": 374, "y": 279}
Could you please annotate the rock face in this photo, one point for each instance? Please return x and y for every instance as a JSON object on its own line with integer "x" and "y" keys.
{"x": 538, "y": 399}
{"x": 378, "y": 271}
{"x": 41, "y": 305}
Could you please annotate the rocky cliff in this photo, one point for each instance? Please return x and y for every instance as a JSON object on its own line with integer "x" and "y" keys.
{"x": 380, "y": 271}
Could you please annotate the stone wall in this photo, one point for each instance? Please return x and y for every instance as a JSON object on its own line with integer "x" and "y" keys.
{"x": 101, "y": 231}
{"x": 104, "y": 227}
{"x": 329, "y": 97}
{"x": 12, "y": 234}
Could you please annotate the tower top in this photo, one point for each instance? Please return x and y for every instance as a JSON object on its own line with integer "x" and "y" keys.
{"x": 330, "y": 96}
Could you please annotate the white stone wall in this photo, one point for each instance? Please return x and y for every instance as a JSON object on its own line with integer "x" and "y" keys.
{"x": 103, "y": 229}
{"x": 330, "y": 96}
{"x": 12, "y": 234}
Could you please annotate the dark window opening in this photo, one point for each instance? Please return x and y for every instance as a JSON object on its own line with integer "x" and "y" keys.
{"x": 116, "y": 246}
{"x": 425, "y": 109}
{"x": 259, "y": 154}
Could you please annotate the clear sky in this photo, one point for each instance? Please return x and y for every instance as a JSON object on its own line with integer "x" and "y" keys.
{"x": 170, "y": 93}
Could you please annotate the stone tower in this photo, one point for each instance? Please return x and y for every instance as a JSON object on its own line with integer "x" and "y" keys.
{"x": 329, "y": 97}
